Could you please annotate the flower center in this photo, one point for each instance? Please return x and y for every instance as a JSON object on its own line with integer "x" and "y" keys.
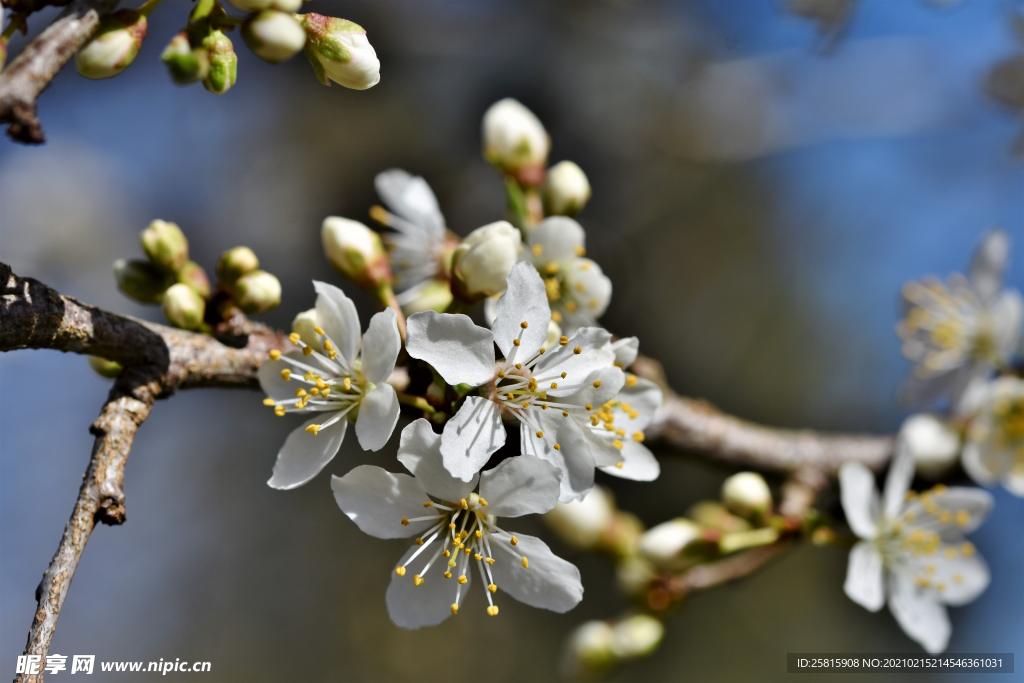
{"x": 945, "y": 326}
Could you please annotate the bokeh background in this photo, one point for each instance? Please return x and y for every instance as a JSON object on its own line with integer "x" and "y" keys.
{"x": 760, "y": 195}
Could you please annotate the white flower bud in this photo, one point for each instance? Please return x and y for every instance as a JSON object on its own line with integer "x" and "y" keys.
{"x": 114, "y": 47}
{"x": 482, "y": 262}
{"x": 637, "y": 636}
{"x": 234, "y": 263}
{"x": 664, "y": 543}
{"x": 183, "y": 307}
{"x": 339, "y": 51}
{"x": 554, "y": 334}
{"x": 515, "y": 140}
{"x": 257, "y": 292}
{"x": 746, "y": 494}
{"x": 590, "y": 648}
{"x": 259, "y": 5}
{"x": 355, "y": 251}
{"x": 634, "y": 575}
{"x": 582, "y": 523}
{"x": 566, "y": 189}
{"x": 165, "y": 245}
{"x": 303, "y": 324}
{"x": 273, "y": 36}
{"x": 434, "y": 295}
{"x": 934, "y": 445}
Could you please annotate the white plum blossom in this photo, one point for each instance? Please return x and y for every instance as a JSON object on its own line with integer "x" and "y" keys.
{"x": 338, "y": 383}
{"x": 578, "y": 292}
{"x": 994, "y": 452}
{"x": 913, "y": 551}
{"x": 547, "y": 392}
{"x": 956, "y": 332}
{"x": 421, "y": 247}
{"x": 456, "y": 526}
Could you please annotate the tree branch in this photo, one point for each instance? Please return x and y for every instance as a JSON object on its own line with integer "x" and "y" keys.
{"x": 40, "y": 61}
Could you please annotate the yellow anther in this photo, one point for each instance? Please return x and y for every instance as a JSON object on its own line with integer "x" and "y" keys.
{"x": 570, "y": 306}
{"x": 307, "y": 350}
{"x": 609, "y": 426}
{"x": 464, "y": 504}
{"x": 447, "y": 575}
{"x": 554, "y": 385}
{"x": 294, "y": 337}
{"x": 580, "y": 251}
{"x": 551, "y": 268}
{"x": 514, "y": 541}
{"x": 300, "y": 392}
{"x": 489, "y": 560}
{"x": 516, "y": 342}
{"x": 951, "y": 553}
{"x": 967, "y": 549}
{"x": 455, "y": 608}
{"x": 417, "y": 580}
{"x": 617, "y": 444}
{"x": 543, "y": 406}
{"x": 526, "y": 563}
{"x": 467, "y": 550}
{"x": 452, "y": 525}
{"x": 463, "y": 533}
{"x": 493, "y": 610}
{"x": 579, "y": 349}
{"x": 519, "y": 366}
{"x": 563, "y": 341}
{"x": 909, "y": 517}
{"x": 630, "y": 380}
{"x": 597, "y": 382}
{"x": 477, "y": 556}
{"x": 940, "y": 586}
{"x": 958, "y": 578}
{"x": 589, "y": 407}
{"x": 275, "y": 354}
{"x": 429, "y": 503}
{"x": 314, "y": 391}
{"x": 538, "y": 250}
{"x": 501, "y": 375}
{"x": 400, "y": 571}
{"x": 931, "y": 568}
{"x": 405, "y": 521}
{"x": 963, "y": 517}
{"x": 318, "y": 329}
{"x": 463, "y": 579}
{"x": 313, "y": 429}
{"x": 308, "y": 377}
{"x": 542, "y": 352}
{"x": 419, "y": 541}
{"x": 279, "y": 411}
{"x": 268, "y": 401}
{"x": 922, "y": 581}
{"x": 620, "y": 464}
{"x": 286, "y": 375}
{"x": 332, "y": 354}
{"x": 478, "y": 533}
{"x": 565, "y": 413}
{"x": 620, "y": 432}
{"x": 447, "y": 553}
{"x": 939, "y": 489}
{"x": 482, "y": 502}
{"x": 380, "y": 214}
{"x": 328, "y": 346}
{"x": 540, "y": 435}
{"x": 493, "y": 588}
{"x": 945, "y": 516}
{"x": 556, "y": 316}
{"x": 524, "y": 324}
{"x": 347, "y": 383}
{"x": 638, "y": 437}
{"x": 558, "y": 447}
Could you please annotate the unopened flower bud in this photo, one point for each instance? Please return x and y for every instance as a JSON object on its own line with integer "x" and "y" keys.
{"x": 515, "y": 141}
{"x": 355, "y": 251}
{"x": 165, "y": 245}
{"x": 339, "y": 51}
{"x": 258, "y": 5}
{"x": 934, "y": 445}
{"x": 234, "y": 263}
{"x": 304, "y": 325}
{"x": 105, "y": 368}
{"x": 193, "y": 275}
{"x": 482, "y": 262}
{"x": 582, "y": 523}
{"x": 183, "y": 307}
{"x": 566, "y": 189}
{"x": 634, "y": 575}
{"x": 185, "y": 63}
{"x": 435, "y": 295}
{"x": 257, "y": 292}
{"x": 554, "y": 334}
{"x": 589, "y": 649}
{"x": 713, "y": 515}
{"x": 637, "y": 636}
{"x": 223, "y": 63}
{"x": 665, "y": 544}
{"x": 274, "y": 36}
{"x": 113, "y": 48}
{"x": 140, "y": 280}
{"x": 746, "y": 494}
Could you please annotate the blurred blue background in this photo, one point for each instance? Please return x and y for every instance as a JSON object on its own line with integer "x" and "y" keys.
{"x": 760, "y": 195}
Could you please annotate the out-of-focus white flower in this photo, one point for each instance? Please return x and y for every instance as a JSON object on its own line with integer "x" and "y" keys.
{"x": 565, "y": 190}
{"x": 355, "y": 251}
{"x": 183, "y": 307}
{"x": 274, "y": 36}
{"x": 994, "y": 452}
{"x": 259, "y": 5}
{"x": 746, "y": 494}
{"x": 305, "y": 325}
{"x": 165, "y": 245}
{"x": 582, "y": 523}
{"x": 933, "y": 444}
{"x": 115, "y": 45}
{"x": 578, "y": 292}
{"x": 960, "y": 330}
{"x": 223, "y": 71}
{"x": 912, "y": 548}
{"x": 339, "y": 51}
{"x": 637, "y": 636}
{"x": 421, "y": 249}
{"x": 339, "y": 384}
{"x": 542, "y": 390}
{"x": 483, "y": 261}
{"x": 665, "y": 543}
{"x": 456, "y": 527}
{"x": 257, "y": 292}
{"x": 515, "y": 141}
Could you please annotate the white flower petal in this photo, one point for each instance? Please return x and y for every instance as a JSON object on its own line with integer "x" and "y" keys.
{"x": 864, "y": 574}
{"x": 988, "y": 263}
{"x": 604, "y": 452}
{"x": 860, "y": 499}
{"x": 378, "y": 415}
{"x": 549, "y": 583}
{"x": 381, "y": 345}
{"x": 1007, "y": 314}
{"x": 303, "y": 455}
{"x": 1013, "y": 481}
{"x": 591, "y": 288}
{"x": 963, "y": 577}
{"x": 461, "y": 352}
{"x": 599, "y": 387}
{"x": 377, "y": 501}
{"x": 519, "y": 486}
{"x": 471, "y": 436}
{"x": 525, "y": 300}
{"x": 626, "y": 351}
{"x": 645, "y": 398}
{"x": 967, "y": 508}
{"x": 411, "y": 606}
{"x": 573, "y": 456}
{"x": 338, "y": 318}
{"x": 559, "y": 239}
{"x": 919, "y": 615}
{"x": 271, "y": 382}
{"x": 420, "y": 452}
{"x": 411, "y": 198}
{"x": 638, "y": 463}
{"x": 595, "y": 353}
{"x": 897, "y": 482}
{"x": 979, "y": 464}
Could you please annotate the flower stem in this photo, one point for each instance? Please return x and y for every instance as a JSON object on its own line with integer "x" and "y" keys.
{"x": 148, "y": 7}
{"x": 416, "y": 402}
{"x": 386, "y": 295}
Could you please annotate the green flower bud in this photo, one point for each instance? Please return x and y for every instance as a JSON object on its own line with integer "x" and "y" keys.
{"x": 713, "y": 515}
{"x": 141, "y": 280}
{"x": 435, "y": 295}
{"x": 355, "y": 251}
{"x": 183, "y": 307}
{"x": 193, "y": 275}
{"x": 590, "y": 649}
{"x": 114, "y": 46}
{"x": 257, "y": 292}
{"x": 746, "y": 494}
{"x": 234, "y": 263}
{"x": 273, "y": 36}
{"x": 165, "y": 245}
{"x": 339, "y": 51}
{"x": 185, "y": 63}
{"x": 105, "y": 368}
{"x": 565, "y": 190}
{"x": 223, "y": 63}
{"x": 258, "y": 5}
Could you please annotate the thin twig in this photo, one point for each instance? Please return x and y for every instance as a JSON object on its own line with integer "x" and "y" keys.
{"x": 731, "y": 568}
